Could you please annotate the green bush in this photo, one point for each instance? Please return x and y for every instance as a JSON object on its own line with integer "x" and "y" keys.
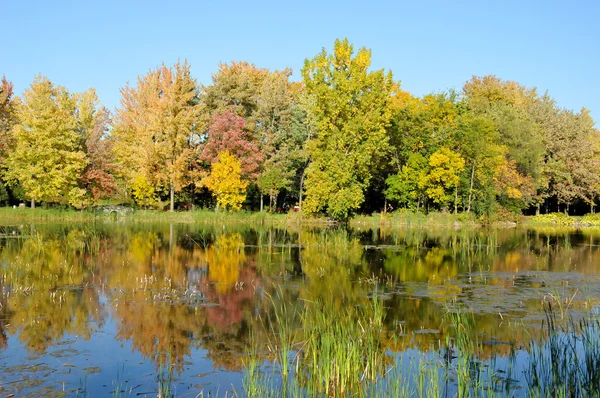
{"x": 592, "y": 219}
{"x": 552, "y": 218}
{"x": 501, "y": 215}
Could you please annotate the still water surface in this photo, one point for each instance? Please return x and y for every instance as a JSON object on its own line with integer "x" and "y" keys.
{"x": 115, "y": 308}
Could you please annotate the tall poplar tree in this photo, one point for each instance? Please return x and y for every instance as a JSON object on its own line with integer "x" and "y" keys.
{"x": 351, "y": 110}
{"x": 156, "y": 128}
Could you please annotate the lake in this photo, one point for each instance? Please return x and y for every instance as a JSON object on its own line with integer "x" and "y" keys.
{"x": 142, "y": 309}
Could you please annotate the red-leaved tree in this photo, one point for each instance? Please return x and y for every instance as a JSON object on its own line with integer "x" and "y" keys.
{"x": 98, "y": 175}
{"x": 227, "y": 133}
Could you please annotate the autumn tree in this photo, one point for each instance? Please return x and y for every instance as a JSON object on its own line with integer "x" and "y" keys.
{"x": 442, "y": 180}
{"x": 156, "y": 129}
{"x": 7, "y": 115}
{"x": 98, "y": 177}
{"x": 351, "y": 110}
{"x": 282, "y": 134}
{"x": 235, "y": 88}
{"x": 507, "y": 105}
{"x": 419, "y": 128}
{"x": 572, "y": 157}
{"x": 227, "y": 133}
{"x": 406, "y": 132}
{"x": 477, "y": 141}
{"x": 48, "y": 155}
{"x": 265, "y": 100}
{"x": 225, "y": 182}
{"x": 485, "y": 92}
{"x": 7, "y": 119}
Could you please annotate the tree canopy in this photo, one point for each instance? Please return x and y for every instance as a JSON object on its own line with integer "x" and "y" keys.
{"x": 344, "y": 139}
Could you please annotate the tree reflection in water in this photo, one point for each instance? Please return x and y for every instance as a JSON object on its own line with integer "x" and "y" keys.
{"x": 172, "y": 290}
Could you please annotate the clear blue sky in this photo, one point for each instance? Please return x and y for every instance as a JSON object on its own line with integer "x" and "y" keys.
{"x": 429, "y": 46}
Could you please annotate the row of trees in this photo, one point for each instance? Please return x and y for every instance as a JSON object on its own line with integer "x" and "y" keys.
{"x": 344, "y": 139}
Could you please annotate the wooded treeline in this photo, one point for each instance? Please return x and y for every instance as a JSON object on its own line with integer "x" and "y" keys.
{"x": 343, "y": 140}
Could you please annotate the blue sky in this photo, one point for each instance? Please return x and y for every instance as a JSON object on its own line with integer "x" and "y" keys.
{"x": 429, "y": 45}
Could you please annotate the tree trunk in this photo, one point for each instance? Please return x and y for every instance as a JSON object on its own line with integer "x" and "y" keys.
{"x": 33, "y": 203}
{"x": 301, "y": 190}
{"x": 262, "y": 199}
{"x": 567, "y": 209}
{"x": 172, "y": 207}
{"x": 471, "y": 188}
{"x": 537, "y": 210}
{"x": 272, "y": 202}
{"x": 384, "y": 205}
{"x": 455, "y": 200}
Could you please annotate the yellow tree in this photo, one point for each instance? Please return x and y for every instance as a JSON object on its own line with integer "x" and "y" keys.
{"x": 156, "y": 128}
{"x": 225, "y": 182}
{"x": 6, "y": 114}
{"x": 7, "y": 119}
{"x": 445, "y": 168}
{"x": 48, "y": 156}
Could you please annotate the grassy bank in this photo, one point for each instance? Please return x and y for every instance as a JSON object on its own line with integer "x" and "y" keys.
{"x": 405, "y": 218}
{"x": 193, "y": 216}
{"x": 397, "y": 219}
{"x": 561, "y": 219}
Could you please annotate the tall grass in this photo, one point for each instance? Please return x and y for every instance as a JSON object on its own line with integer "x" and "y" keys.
{"x": 342, "y": 348}
{"x": 201, "y": 216}
{"x": 565, "y": 361}
{"x": 340, "y": 351}
{"x": 41, "y": 214}
{"x": 409, "y": 219}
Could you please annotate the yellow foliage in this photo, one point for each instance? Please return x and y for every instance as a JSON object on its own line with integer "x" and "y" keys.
{"x": 510, "y": 182}
{"x": 225, "y": 259}
{"x": 446, "y": 167}
{"x": 481, "y": 92}
{"x": 143, "y": 191}
{"x": 225, "y": 182}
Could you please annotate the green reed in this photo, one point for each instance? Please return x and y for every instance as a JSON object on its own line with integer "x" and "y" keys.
{"x": 332, "y": 349}
{"x": 565, "y": 361}
{"x": 337, "y": 351}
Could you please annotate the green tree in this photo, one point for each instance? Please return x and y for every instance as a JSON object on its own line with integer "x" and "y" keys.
{"x": 48, "y": 155}
{"x": 508, "y": 106}
{"x": 274, "y": 127}
{"x": 419, "y": 128}
{"x": 404, "y": 187}
{"x": 351, "y": 111}
{"x": 284, "y": 156}
{"x": 477, "y": 142}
